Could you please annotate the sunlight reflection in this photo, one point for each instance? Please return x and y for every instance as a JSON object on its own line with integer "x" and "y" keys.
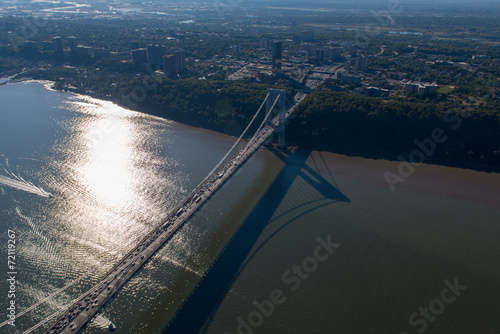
{"x": 108, "y": 169}
{"x": 116, "y": 178}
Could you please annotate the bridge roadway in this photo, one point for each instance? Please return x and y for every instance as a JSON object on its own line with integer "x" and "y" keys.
{"x": 88, "y": 305}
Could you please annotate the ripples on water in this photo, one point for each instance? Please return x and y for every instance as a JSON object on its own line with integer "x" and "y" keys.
{"x": 82, "y": 196}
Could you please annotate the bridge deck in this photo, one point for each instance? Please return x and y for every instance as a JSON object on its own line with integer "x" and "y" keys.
{"x": 87, "y": 306}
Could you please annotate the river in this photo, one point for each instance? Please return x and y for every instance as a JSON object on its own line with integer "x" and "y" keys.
{"x": 299, "y": 241}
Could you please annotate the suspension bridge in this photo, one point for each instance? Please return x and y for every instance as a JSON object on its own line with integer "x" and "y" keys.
{"x": 81, "y": 312}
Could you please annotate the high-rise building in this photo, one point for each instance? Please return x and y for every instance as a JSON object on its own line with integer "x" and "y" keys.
{"x": 422, "y": 89}
{"x": 360, "y": 63}
{"x": 140, "y": 56}
{"x": 353, "y": 50}
{"x": 83, "y": 51}
{"x": 308, "y": 48}
{"x": 236, "y": 49}
{"x": 73, "y": 43}
{"x": 349, "y": 78}
{"x": 155, "y": 54}
{"x": 411, "y": 88}
{"x": 331, "y": 52}
{"x": 277, "y": 54}
{"x": 180, "y": 56}
{"x": 169, "y": 65}
{"x": 264, "y": 43}
{"x": 58, "y": 44}
{"x": 347, "y": 65}
{"x": 320, "y": 54}
{"x": 101, "y": 53}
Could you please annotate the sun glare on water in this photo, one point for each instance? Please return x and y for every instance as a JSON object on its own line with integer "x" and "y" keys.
{"x": 108, "y": 169}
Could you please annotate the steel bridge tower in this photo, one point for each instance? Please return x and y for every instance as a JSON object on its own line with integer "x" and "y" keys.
{"x": 277, "y": 98}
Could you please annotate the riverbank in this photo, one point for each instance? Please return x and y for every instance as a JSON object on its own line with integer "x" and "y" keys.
{"x": 5, "y": 80}
{"x": 227, "y": 107}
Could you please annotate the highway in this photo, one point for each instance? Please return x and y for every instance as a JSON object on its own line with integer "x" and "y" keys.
{"x": 88, "y": 305}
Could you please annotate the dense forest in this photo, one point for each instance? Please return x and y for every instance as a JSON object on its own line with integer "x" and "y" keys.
{"x": 216, "y": 105}
{"x": 219, "y": 105}
{"x": 332, "y": 119}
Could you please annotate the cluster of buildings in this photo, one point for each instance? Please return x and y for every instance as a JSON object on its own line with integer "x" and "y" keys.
{"x": 333, "y": 65}
{"x": 75, "y": 50}
{"x": 170, "y": 60}
{"x": 298, "y": 65}
{"x": 326, "y": 66}
{"x": 329, "y": 66}
{"x": 85, "y": 51}
{"x": 313, "y": 53}
{"x": 308, "y": 52}
{"x": 421, "y": 89}
{"x": 349, "y": 78}
{"x": 358, "y": 63}
{"x": 276, "y": 48}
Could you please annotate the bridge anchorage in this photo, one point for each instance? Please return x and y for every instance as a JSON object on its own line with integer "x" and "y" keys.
{"x": 276, "y": 110}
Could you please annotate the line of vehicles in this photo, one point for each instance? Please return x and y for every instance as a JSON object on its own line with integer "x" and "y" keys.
{"x": 89, "y": 304}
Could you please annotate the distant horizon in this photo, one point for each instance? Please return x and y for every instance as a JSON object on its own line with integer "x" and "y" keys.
{"x": 381, "y": 4}
{"x": 328, "y": 2}
{"x": 345, "y": 4}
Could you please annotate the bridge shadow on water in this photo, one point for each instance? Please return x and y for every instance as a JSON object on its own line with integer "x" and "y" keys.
{"x": 204, "y": 301}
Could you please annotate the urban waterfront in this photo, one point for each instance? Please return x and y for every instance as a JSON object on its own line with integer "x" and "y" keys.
{"x": 83, "y": 180}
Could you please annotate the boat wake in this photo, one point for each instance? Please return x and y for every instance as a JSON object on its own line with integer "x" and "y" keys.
{"x": 21, "y": 184}
{"x": 102, "y": 322}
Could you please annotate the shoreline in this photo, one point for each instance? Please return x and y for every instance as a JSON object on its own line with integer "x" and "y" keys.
{"x": 365, "y": 153}
{"x": 5, "y": 80}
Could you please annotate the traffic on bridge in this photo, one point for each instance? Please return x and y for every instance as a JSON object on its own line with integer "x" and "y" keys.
{"x": 87, "y": 306}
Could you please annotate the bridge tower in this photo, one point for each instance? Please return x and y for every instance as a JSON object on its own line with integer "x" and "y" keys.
{"x": 278, "y": 96}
